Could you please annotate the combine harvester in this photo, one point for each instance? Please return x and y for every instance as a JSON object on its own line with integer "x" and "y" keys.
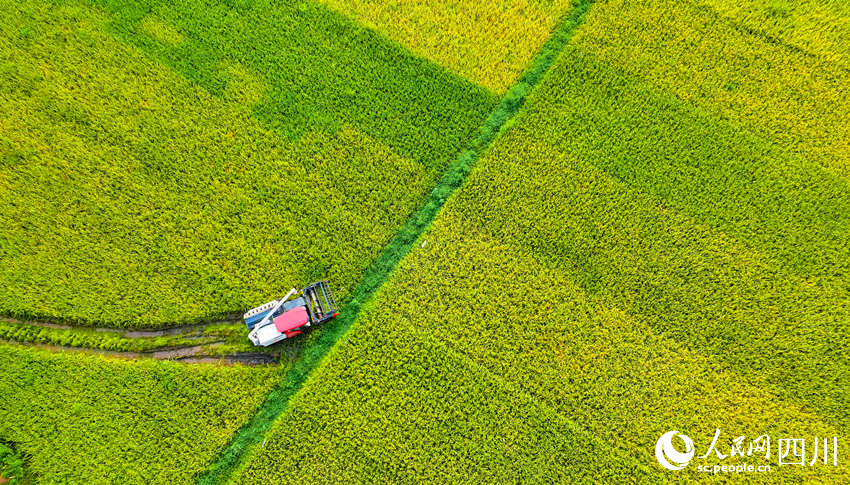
{"x": 281, "y": 319}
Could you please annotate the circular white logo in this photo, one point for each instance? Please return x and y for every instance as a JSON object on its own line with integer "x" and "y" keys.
{"x": 669, "y": 457}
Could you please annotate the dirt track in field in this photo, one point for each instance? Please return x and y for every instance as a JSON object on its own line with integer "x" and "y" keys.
{"x": 135, "y": 333}
{"x": 190, "y": 355}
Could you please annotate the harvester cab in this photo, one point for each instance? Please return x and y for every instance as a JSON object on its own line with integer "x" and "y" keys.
{"x": 282, "y": 319}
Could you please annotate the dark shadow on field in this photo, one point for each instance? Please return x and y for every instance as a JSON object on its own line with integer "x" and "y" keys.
{"x": 710, "y": 168}
{"x": 703, "y": 231}
{"x": 319, "y": 69}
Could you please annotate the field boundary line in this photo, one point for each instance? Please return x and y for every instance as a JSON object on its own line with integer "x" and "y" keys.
{"x": 253, "y": 432}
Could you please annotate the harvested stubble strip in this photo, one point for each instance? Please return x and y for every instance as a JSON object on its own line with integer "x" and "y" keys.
{"x": 28, "y": 332}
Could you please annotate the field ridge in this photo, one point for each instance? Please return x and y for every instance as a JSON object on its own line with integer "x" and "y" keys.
{"x": 379, "y": 271}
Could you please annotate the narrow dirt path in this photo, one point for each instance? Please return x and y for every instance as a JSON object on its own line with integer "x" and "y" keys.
{"x": 192, "y": 343}
{"x": 197, "y": 354}
{"x": 134, "y": 333}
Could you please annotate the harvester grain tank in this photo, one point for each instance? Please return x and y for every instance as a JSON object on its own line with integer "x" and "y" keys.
{"x": 281, "y": 319}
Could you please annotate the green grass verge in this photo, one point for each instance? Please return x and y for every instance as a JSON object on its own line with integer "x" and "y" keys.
{"x": 13, "y": 466}
{"x": 172, "y": 162}
{"x": 91, "y": 419}
{"x": 394, "y": 252}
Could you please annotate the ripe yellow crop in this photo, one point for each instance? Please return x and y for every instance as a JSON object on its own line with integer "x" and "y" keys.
{"x": 87, "y": 418}
{"x": 620, "y": 259}
{"x": 783, "y": 94}
{"x": 489, "y": 43}
{"x": 154, "y": 170}
{"x": 818, "y": 27}
{"x": 393, "y": 405}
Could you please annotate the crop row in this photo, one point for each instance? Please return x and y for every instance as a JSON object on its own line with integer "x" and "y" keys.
{"x": 392, "y": 406}
{"x": 139, "y": 191}
{"x": 489, "y": 43}
{"x": 604, "y": 294}
{"x": 90, "y": 419}
{"x": 819, "y": 27}
{"x": 530, "y": 323}
{"x": 714, "y": 281}
{"x": 784, "y": 95}
{"x": 778, "y": 204}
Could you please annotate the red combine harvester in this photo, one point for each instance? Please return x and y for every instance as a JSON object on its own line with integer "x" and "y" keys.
{"x": 281, "y": 319}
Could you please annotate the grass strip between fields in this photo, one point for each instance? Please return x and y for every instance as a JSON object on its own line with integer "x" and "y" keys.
{"x": 253, "y": 432}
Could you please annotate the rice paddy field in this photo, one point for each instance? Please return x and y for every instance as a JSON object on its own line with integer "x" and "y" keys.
{"x": 557, "y": 231}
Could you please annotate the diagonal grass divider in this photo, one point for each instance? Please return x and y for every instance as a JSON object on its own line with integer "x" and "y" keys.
{"x": 254, "y": 431}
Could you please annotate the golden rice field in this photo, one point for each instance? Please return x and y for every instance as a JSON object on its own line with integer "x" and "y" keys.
{"x": 572, "y": 241}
